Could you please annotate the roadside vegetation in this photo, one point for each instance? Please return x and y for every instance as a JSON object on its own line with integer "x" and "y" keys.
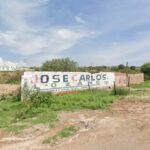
{"x": 146, "y": 70}
{"x": 141, "y": 90}
{"x": 10, "y": 77}
{"x": 144, "y": 85}
{"x": 64, "y": 133}
{"x": 44, "y": 107}
{"x": 68, "y": 65}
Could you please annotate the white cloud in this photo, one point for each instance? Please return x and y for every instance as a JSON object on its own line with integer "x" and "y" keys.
{"x": 26, "y": 39}
{"x": 53, "y": 40}
{"x": 80, "y": 20}
{"x": 21, "y": 35}
{"x": 10, "y": 63}
{"x": 38, "y": 2}
{"x": 136, "y": 52}
{"x": 115, "y": 43}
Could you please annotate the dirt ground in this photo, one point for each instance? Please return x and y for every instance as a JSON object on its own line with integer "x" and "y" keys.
{"x": 8, "y": 88}
{"x": 125, "y": 126}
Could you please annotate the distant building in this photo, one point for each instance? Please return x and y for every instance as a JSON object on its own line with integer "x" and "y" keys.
{"x": 24, "y": 69}
{"x": 7, "y": 68}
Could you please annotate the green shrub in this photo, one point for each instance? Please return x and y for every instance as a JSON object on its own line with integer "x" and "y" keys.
{"x": 38, "y": 99}
{"x": 3, "y": 97}
{"x": 21, "y": 115}
{"x": 43, "y": 107}
{"x": 146, "y": 70}
{"x": 68, "y": 131}
{"x": 17, "y": 96}
{"x": 35, "y": 104}
{"x": 27, "y": 112}
{"x": 147, "y": 77}
{"x": 120, "y": 91}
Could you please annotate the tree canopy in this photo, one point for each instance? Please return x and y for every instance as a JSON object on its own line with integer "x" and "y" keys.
{"x": 146, "y": 70}
{"x": 62, "y": 64}
{"x": 67, "y": 64}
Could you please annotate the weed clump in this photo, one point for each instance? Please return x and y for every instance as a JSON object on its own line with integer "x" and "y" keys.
{"x": 64, "y": 133}
{"x": 38, "y": 99}
{"x": 43, "y": 107}
{"x": 36, "y": 103}
{"x": 120, "y": 91}
{"x": 3, "y": 97}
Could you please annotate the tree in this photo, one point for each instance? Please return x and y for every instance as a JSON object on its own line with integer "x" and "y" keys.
{"x": 121, "y": 67}
{"x": 63, "y": 64}
{"x": 146, "y": 70}
{"x": 114, "y": 68}
{"x": 133, "y": 68}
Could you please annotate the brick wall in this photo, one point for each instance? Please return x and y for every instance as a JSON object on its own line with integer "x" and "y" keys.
{"x": 136, "y": 78}
{"x": 122, "y": 81}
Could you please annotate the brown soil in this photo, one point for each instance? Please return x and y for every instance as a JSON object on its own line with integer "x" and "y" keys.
{"x": 8, "y": 88}
{"x": 126, "y": 126}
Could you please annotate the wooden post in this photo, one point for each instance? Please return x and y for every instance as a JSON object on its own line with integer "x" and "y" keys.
{"x": 115, "y": 91}
{"x": 127, "y": 75}
{"x": 91, "y": 91}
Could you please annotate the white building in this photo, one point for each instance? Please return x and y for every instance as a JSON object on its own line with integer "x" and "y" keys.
{"x": 7, "y": 68}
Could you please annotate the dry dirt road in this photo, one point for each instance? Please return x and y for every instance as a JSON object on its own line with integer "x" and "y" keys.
{"x": 125, "y": 126}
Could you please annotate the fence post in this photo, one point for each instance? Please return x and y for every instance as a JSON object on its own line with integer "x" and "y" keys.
{"x": 91, "y": 91}
{"x": 115, "y": 91}
{"x": 129, "y": 83}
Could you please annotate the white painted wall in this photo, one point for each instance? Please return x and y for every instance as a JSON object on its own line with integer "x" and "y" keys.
{"x": 66, "y": 81}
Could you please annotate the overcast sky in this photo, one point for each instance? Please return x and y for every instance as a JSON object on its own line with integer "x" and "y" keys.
{"x": 93, "y": 32}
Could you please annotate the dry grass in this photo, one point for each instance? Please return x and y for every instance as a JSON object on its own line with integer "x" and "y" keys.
{"x": 10, "y": 77}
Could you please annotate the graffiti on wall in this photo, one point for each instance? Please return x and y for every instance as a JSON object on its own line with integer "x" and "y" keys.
{"x": 66, "y": 81}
